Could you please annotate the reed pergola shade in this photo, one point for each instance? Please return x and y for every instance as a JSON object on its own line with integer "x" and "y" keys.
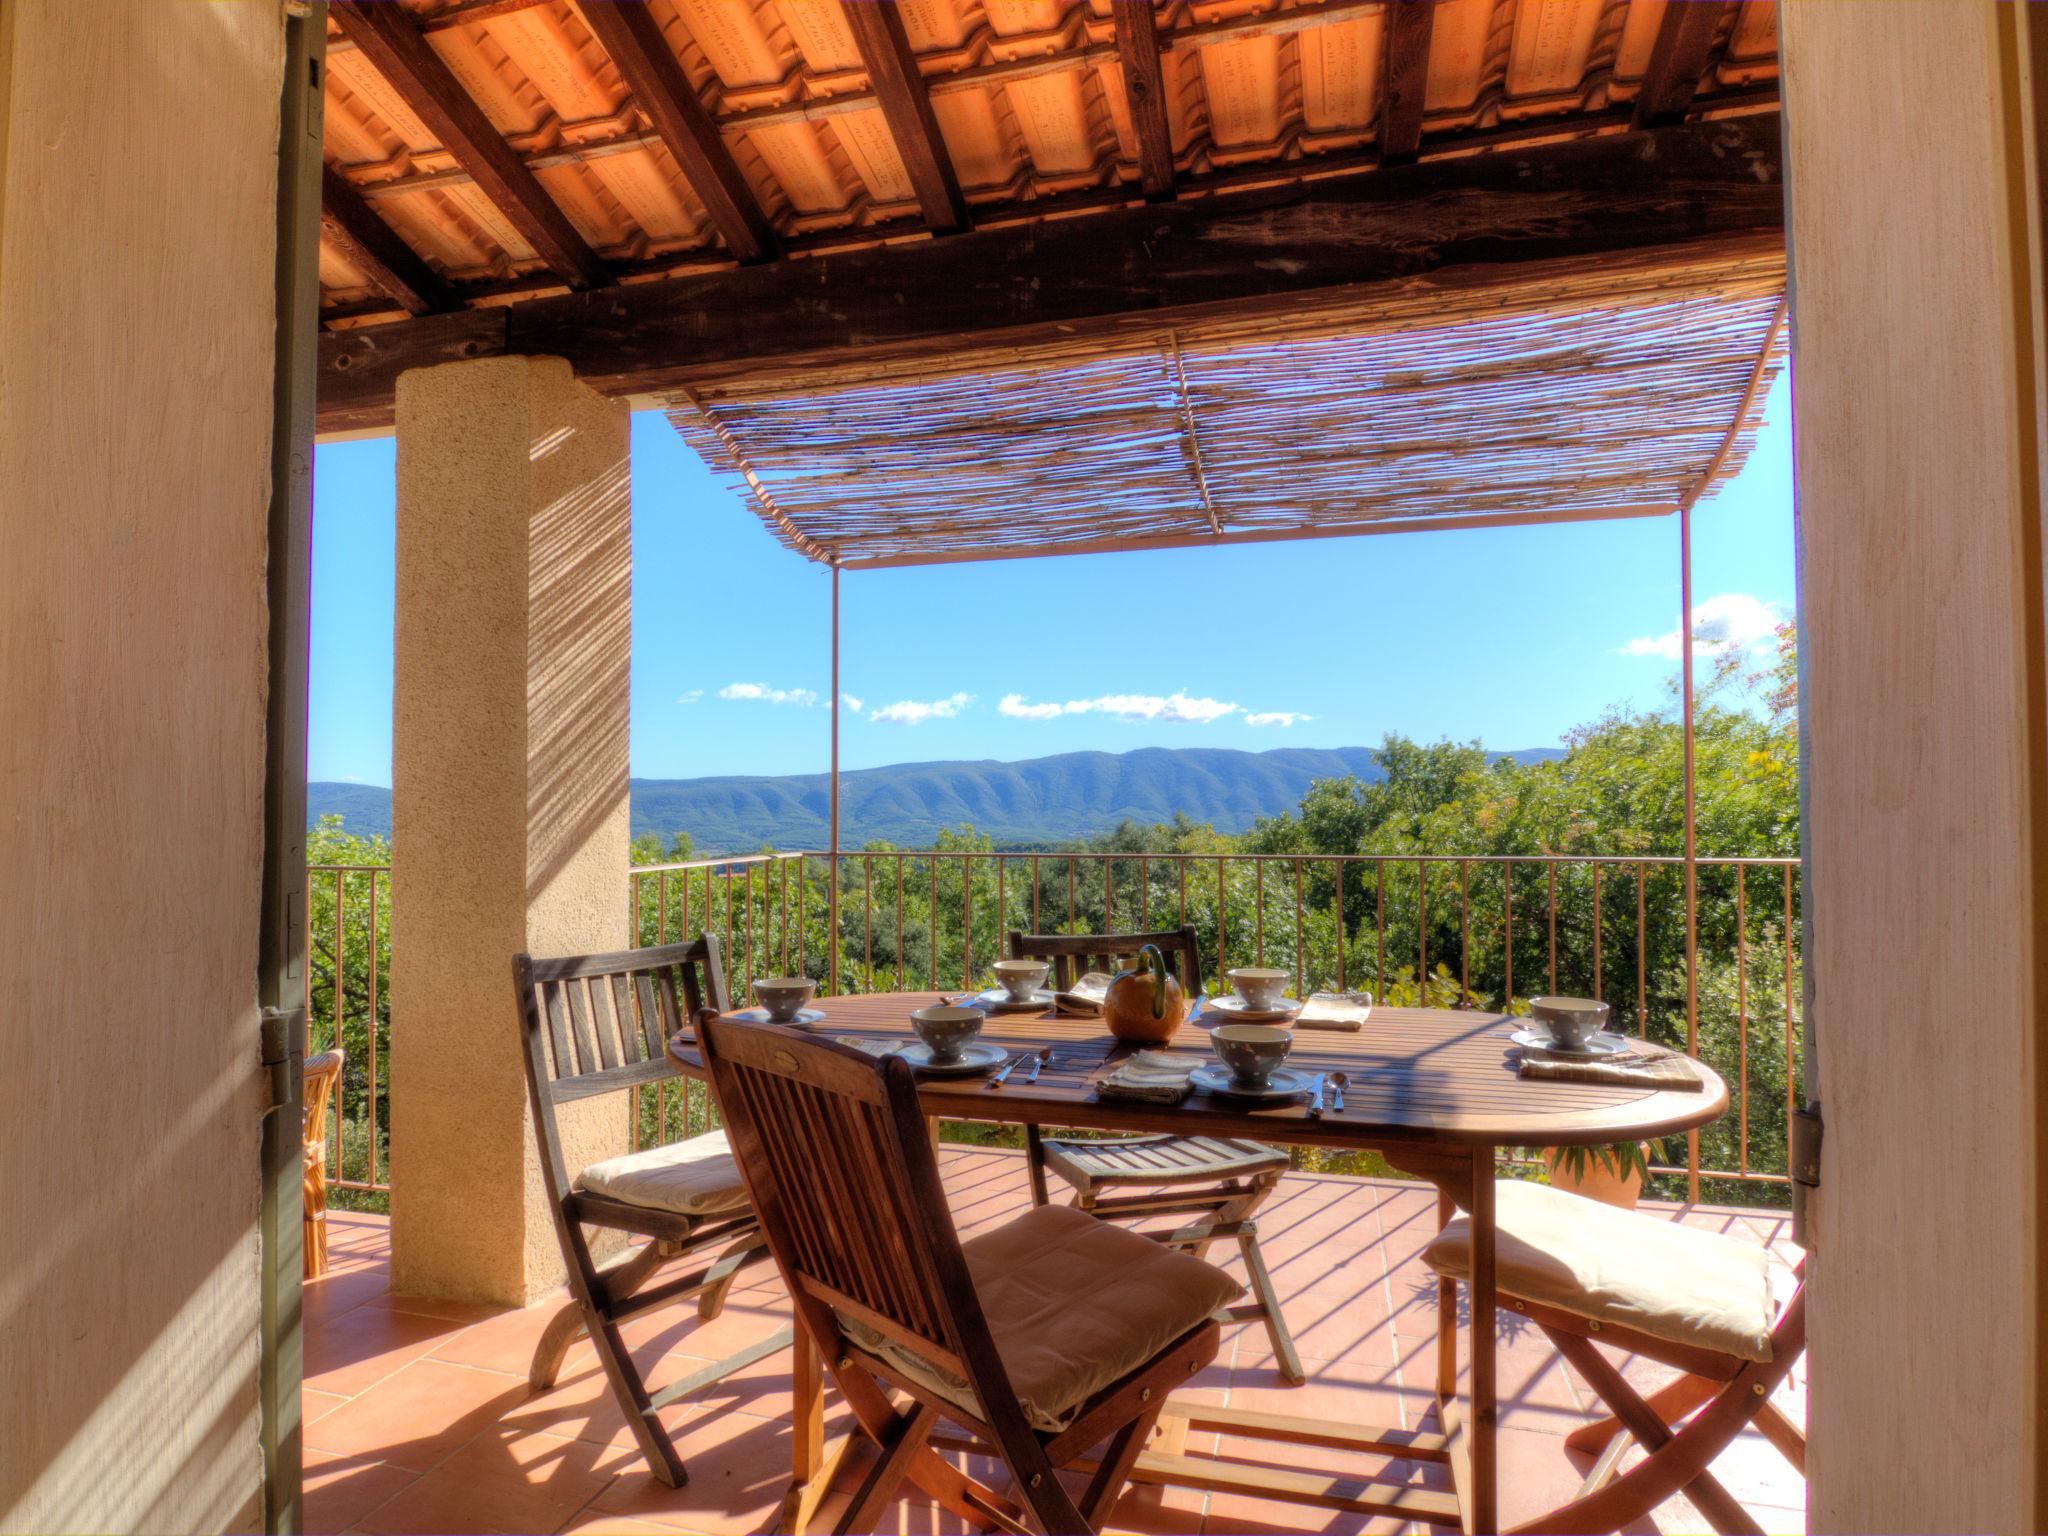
{"x": 1616, "y": 396}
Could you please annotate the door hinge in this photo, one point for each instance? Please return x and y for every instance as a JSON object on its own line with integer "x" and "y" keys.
{"x": 281, "y": 1043}
{"x": 1805, "y": 1136}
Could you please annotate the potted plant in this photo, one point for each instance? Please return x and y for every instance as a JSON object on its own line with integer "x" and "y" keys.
{"x": 1611, "y": 1174}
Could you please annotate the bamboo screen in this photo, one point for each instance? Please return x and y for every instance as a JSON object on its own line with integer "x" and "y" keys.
{"x": 1529, "y": 408}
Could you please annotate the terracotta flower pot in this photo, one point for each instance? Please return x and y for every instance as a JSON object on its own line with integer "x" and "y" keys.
{"x": 1598, "y": 1182}
{"x": 1128, "y": 1007}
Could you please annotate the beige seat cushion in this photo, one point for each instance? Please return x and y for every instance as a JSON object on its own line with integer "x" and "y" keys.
{"x": 1074, "y": 1305}
{"x": 1673, "y": 1282}
{"x": 688, "y": 1178}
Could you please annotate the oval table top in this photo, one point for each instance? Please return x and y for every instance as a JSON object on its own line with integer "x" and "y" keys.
{"x": 1416, "y": 1075}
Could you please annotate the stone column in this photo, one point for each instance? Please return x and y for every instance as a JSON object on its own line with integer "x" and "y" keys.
{"x": 509, "y": 819}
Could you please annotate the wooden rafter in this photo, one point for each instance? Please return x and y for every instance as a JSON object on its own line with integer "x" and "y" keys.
{"x": 1404, "y": 81}
{"x": 906, "y": 105}
{"x": 1135, "y": 272}
{"x": 374, "y": 248}
{"x": 1192, "y": 442}
{"x": 1137, "y": 47}
{"x": 632, "y": 36}
{"x": 1680, "y": 55}
{"x": 393, "y": 43}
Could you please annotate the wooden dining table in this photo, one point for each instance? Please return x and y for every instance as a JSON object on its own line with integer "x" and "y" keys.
{"x": 1434, "y": 1091}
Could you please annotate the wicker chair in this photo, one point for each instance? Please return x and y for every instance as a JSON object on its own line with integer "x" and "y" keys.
{"x": 322, "y": 1073}
{"x": 1222, "y": 1182}
{"x": 1044, "y": 1339}
{"x": 596, "y": 1024}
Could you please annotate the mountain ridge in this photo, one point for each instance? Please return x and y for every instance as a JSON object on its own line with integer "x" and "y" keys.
{"x": 1043, "y": 799}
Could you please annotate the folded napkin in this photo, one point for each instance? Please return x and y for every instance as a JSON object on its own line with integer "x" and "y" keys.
{"x": 872, "y": 1047}
{"x": 1085, "y": 995}
{"x": 1644, "y": 1067}
{"x": 1152, "y": 1077}
{"x": 1334, "y": 1010}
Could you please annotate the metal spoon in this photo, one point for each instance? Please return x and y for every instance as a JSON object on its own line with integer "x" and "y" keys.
{"x": 1337, "y": 1082}
{"x": 1008, "y": 1067}
{"x": 1044, "y": 1055}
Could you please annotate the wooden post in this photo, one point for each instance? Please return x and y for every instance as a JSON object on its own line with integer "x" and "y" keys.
{"x": 832, "y": 864}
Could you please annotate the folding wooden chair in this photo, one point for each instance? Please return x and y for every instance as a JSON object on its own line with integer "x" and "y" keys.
{"x": 1221, "y": 1181}
{"x": 1587, "y": 1274}
{"x": 597, "y": 1024}
{"x": 1042, "y": 1339}
{"x": 322, "y": 1073}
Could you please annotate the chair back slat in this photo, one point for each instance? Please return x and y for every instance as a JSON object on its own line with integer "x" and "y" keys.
{"x": 633, "y": 1035}
{"x": 586, "y": 1038}
{"x": 840, "y": 1168}
{"x": 1071, "y": 953}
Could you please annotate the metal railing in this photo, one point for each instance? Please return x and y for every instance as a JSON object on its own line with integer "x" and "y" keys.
{"x": 1439, "y": 929}
{"x": 1442, "y": 929}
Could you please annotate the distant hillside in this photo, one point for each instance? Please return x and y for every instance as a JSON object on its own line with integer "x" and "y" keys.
{"x": 1046, "y": 799}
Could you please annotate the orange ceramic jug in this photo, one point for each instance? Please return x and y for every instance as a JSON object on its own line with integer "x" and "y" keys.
{"x": 1144, "y": 1005}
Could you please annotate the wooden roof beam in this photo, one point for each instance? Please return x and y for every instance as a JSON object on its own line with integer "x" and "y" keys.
{"x": 1680, "y": 55}
{"x": 1404, "y": 81}
{"x": 1137, "y": 48}
{"x": 631, "y": 35}
{"x": 1697, "y": 191}
{"x": 392, "y": 41}
{"x": 376, "y": 249}
{"x": 906, "y": 105}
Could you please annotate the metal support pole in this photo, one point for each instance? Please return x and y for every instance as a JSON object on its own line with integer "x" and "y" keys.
{"x": 1692, "y": 866}
{"x": 832, "y": 864}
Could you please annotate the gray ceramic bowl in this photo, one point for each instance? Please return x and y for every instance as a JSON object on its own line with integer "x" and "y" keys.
{"x": 1260, "y": 986}
{"x": 1252, "y": 1051}
{"x": 783, "y": 996}
{"x": 1021, "y": 978}
{"x": 1572, "y": 1021}
{"x": 946, "y": 1029}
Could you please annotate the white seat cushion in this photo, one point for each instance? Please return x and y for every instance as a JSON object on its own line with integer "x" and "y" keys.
{"x": 1074, "y": 1305}
{"x": 1673, "y": 1282}
{"x": 687, "y": 1178}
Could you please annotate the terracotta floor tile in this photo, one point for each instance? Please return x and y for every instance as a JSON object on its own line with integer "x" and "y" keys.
{"x": 449, "y": 1501}
{"x": 739, "y": 1470}
{"x": 340, "y": 1490}
{"x": 316, "y": 1405}
{"x": 419, "y": 1414}
{"x": 601, "y": 1524}
{"x": 350, "y": 1353}
{"x": 506, "y": 1341}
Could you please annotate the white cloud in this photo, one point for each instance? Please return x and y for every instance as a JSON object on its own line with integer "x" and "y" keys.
{"x": 1014, "y": 706}
{"x": 691, "y": 697}
{"x": 851, "y": 702}
{"x": 1733, "y": 621}
{"x": 1171, "y": 709}
{"x": 803, "y": 698}
{"x": 1280, "y": 717}
{"x": 913, "y": 712}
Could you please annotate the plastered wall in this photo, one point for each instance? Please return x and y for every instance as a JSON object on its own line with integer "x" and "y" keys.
{"x": 137, "y": 215}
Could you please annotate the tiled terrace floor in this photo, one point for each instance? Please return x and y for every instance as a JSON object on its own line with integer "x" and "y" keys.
{"x": 419, "y": 1417}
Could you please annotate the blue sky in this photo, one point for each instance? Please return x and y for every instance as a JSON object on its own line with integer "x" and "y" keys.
{"x": 1511, "y": 636}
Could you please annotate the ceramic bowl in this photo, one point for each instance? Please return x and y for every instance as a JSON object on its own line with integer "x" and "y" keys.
{"x": 1021, "y": 978}
{"x": 783, "y": 996}
{"x": 1251, "y": 1051}
{"x": 1572, "y": 1021}
{"x": 946, "y": 1028}
{"x": 1258, "y": 985}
